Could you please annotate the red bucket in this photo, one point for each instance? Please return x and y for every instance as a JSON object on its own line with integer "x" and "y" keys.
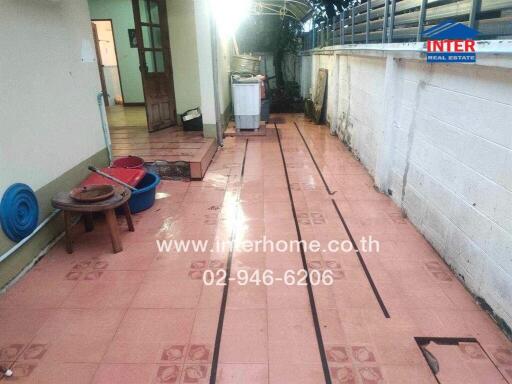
{"x": 130, "y": 162}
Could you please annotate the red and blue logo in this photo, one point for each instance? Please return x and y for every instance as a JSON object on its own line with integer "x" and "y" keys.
{"x": 450, "y": 42}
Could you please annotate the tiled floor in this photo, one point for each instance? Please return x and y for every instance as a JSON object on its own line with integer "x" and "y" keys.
{"x": 141, "y": 316}
{"x": 129, "y": 136}
{"x": 123, "y": 116}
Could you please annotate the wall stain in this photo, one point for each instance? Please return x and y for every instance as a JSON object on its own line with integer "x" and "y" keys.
{"x": 412, "y": 129}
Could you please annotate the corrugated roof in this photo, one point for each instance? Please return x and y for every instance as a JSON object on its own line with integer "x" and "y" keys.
{"x": 297, "y": 9}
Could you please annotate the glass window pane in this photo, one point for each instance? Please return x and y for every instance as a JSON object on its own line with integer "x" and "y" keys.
{"x": 144, "y": 11}
{"x": 160, "y": 66}
{"x": 153, "y": 8}
{"x": 150, "y": 62}
{"x": 146, "y": 37}
{"x": 157, "y": 40}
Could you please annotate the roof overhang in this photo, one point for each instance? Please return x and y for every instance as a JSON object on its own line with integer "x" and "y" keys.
{"x": 295, "y": 9}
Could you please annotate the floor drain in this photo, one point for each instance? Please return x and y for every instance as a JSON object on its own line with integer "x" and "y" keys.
{"x": 176, "y": 170}
{"x": 459, "y": 360}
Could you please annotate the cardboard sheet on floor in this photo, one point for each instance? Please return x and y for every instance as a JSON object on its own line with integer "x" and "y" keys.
{"x": 318, "y": 101}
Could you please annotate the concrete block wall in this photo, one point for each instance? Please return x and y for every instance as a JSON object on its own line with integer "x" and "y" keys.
{"x": 438, "y": 139}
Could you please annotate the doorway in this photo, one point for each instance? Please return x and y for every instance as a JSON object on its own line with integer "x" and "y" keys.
{"x": 152, "y": 40}
{"x": 145, "y": 63}
{"x": 106, "y": 54}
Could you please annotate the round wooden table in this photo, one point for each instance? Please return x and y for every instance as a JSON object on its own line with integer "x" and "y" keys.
{"x": 120, "y": 199}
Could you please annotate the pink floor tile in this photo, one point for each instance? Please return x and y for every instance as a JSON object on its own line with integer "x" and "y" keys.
{"x": 405, "y": 374}
{"x": 247, "y": 296}
{"x": 19, "y": 326}
{"x": 291, "y": 336}
{"x": 27, "y": 293}
{"x": 140, "y": 352}
{"x": 113, "y": 289}
{"x": 143, "y": 316}
{"x": 295, "y": 373}
{"x": 244, "y": 338}
{"x": 131, "y": 259}
{"x": 132, "y": 374}
{"x": 242, "y": 373}
{"x": 78, "y": 335}
{"x": 281, "y": 295}
{"x": 52, "y": 373}
{"x": 161, "y": 291}
{"x": 155, "y": 326}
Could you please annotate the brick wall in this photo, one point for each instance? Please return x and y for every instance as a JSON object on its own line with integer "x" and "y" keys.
{"x": 438, "y": 139}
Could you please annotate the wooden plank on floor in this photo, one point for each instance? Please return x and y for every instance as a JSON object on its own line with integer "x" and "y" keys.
{"x": 157, "y": 152}
{"x": 137, "y": 146}
{"x": 155, "y": 140}
{"x": 170, "y": 159}
{"x": 167, "y": 145}
{"x": 199, "y": 165}
{"x": 129, "y": 128}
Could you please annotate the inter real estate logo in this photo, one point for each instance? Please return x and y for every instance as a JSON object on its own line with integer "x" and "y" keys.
{"x": 450, "y": 42}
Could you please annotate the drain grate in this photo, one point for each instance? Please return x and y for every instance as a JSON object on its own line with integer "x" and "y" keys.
{"x": 175, "y": 170}
{"x": 459, "y": 360}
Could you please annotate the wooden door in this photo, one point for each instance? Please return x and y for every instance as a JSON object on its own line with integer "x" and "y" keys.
{"x": 151, "y": 30}
{"x": 100, "y": 64}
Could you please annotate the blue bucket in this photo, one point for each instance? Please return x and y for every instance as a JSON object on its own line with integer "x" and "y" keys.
{"x": 144, "y": 197}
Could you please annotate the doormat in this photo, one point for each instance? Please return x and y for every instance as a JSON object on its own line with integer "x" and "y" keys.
{"x": 170, "y": 170}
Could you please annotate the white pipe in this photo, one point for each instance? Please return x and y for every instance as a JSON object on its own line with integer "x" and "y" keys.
{"x": 104, "y": 125}
{"x": 26, "y": 239}
{"x": 106, "y": 135}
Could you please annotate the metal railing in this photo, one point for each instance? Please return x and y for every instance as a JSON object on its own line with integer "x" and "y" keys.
{"x": 390, "y": 21}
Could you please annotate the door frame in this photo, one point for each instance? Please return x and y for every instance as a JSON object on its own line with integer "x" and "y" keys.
{"x": 115, "y": 51}
{"x": 166, "y": 50}
{"x": 99, "y": 61}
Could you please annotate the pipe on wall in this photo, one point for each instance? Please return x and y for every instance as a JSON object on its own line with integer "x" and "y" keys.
{"x": 106, "y": 135}
{"x": 26, "y": 239}
{"x": 104, "y": 125}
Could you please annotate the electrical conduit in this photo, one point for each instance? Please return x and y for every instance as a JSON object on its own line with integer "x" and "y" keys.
{"x": 106, "y": 136}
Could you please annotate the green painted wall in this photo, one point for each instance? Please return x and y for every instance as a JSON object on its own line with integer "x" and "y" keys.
{"x": 121, "y": 13}
{"x": 182, "y": 36}
{"x": 13, "y": 265}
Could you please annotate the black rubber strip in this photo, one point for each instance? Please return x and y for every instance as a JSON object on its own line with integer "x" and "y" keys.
{"x": 318, "y": 331}
{"x": 220, "y": 324}
{"x": 363, "y": 264}
{"x": 354, "y": 244}
{"x": 314, "y": 161}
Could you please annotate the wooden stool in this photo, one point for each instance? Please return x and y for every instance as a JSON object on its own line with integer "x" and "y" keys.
{"x": 120, "y": 199}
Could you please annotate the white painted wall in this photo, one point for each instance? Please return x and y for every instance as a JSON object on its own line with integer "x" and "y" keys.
{"x": 121, "y": 14}
{"x": 50, "y": 120}
{"x": 224, "y": 53}
{"x": 185, "y": 64}
{"x": 113, "y": 85}
{"x": 439, "y": 138}
{"x": 203, "y": 20}
{"x": 204, "y": 55}
{"x": 109, "y": 61}
{"x": 106, "y": 42}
